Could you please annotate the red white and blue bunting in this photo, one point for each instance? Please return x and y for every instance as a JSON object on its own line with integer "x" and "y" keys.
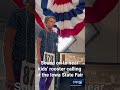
{"x": 69, "y": 14}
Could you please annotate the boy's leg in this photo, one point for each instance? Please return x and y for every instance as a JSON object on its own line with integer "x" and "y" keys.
{"x": 49, "y": 79}
{"x": 42, "y": 85}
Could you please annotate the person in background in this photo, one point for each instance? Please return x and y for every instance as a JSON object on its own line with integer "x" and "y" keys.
{"x": 19, "y": 40}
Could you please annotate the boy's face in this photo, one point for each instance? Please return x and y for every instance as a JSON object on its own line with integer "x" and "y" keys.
{"x": 50, "y": 23}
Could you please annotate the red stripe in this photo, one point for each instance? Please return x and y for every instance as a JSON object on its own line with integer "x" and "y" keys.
{"x": 99, "y": 11}
{"x": 39, "y": 21}
{"x": 58, "y": 2}
{"x": 72, "y": 32}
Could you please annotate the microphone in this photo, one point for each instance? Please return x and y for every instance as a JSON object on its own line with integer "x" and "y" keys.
{"x": 56, "y": 27}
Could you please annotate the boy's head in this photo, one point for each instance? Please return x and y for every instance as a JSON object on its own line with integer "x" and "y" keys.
{"x": 49, "y": 22}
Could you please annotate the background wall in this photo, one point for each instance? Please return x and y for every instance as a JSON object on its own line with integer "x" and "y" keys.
{"x": 105, "y": 48}
{"x": 79, "y": 44}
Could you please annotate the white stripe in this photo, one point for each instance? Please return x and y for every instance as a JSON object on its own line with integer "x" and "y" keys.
{"x": 39, "y": 10}
{"x": 70, "y": 24}
{"x": 64, "y": 7}
{"x": 75, "y": 2}
{"x": 37, "y": 3}
{"x": 50, "y": 3}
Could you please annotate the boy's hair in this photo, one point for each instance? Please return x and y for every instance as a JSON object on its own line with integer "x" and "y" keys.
{"x": 47, "y": 18}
